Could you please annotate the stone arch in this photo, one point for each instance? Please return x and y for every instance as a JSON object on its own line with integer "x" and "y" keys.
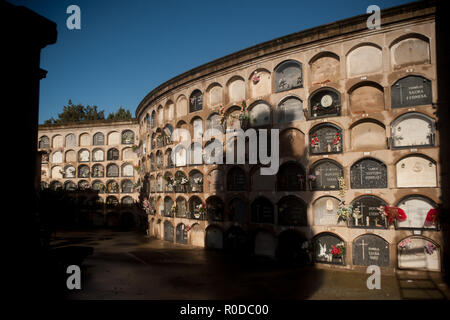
{"x": 168, "y": 231}
{"x": 288, "y": 75}
{"x": 214, "y": 94}
{"x": 262, "y": 211}
{"x": 364, "y": 59}
{"x": 419, "y": 253}
{"x": 236, "y": 89}
{"x": 84, "y": 140}
{"x": 325, "y": 211}
{"x": 415, "y": 171}
{"x": 57, "y": 141}
{"x": 367, "y": 135}
{"x": 410, "y": 49}
{"x": 260, "y": 114}
{"x": 113, "y": 138}
{"x": 417, "y": 208}
{"x": 324, "y": 68}
{"x": 290, "y": 109}
{"x": 366, "y": 97}
{"x": 292, "y": 143}
{"x": 260, "y": 83}
{"x": 197, "y": 236}
{"x": 181, "y": 106}
{"x": 413, "y": 129}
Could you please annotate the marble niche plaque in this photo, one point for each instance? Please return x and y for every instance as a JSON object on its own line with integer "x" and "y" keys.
{"x": 368, "y": 174}
{"x": 411, "y": 91}
{"x": 369, "y": 250}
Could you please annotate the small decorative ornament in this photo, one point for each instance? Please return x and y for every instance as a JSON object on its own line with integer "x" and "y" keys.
{"x": 256, "y": 78}
{"x": 431, "y": 218}
{"x": 429, "y": 248}
{"x": 326, "y": 101}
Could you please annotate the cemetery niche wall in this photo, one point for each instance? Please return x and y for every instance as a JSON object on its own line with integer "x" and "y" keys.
{"x": 369, "y": 249}
{"x": 325, "y": 211}
{"x": 416, "y": 171}
{"x": 288, "y": 75}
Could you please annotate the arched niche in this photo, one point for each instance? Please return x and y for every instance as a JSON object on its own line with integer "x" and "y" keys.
{"x": 325, "y": 138}
{"x": 169, "y": 111}
{"x": 236, "y": 89}
{"x": 260, "y": 114}
{"x": 370, "y": 213}
{"x": 197, "y": 236}
{"x": 291, "y": 176}
{"x": 99, "y": 139}
{"x": 215, "y": 181}
{"x": 292, "y": 211}
{"x": 325, "y": 209}
{"x": 325, "y": 102}
{"x": 113, "y": 138}
{"x": 214, "y": 238}
{"x": 265, "y": 244}
{"x": 364, "y": 59}
{"x": 290, "y": 109}
{"x": 324, "y": 175}
{"x": 168, "y": 204}
{"x": 262, "y": 211}
{"x": 324, "y": 68}
{"x": 260, "y": 83}
{"x": 368, "y": 173}
{"x": 288, "y": 75}
{"x": 214, "y": 122}
{"x": 44, "y": 142}
{"x": 262, "y": 182}
{"x": 168, "y": 231}
{"x": 237, "y": 211}
{"x": 196, "y": 101}
{"x": 182, "y": 106}
{"x": 368, "y": 135}
{"x": 292, "y": 143}
{"x": 70, "y": 186}
{"x": 98, "y": 155}
{"x": 370, "y": 249}
{"x": 413, "y": 130}
{"x": 410, "y": 50}
{"x": 366, "y": 97}
{"x": 416, "y": 171}
{"x": 57, "y": 141}
{"x": 323, "y": 244}
{"x": 410, "y": 91}
{"x": 236, "y": 179}
{"x": 84, "y": 140}
{"x": 57, "y": 157}
{"x": 181, "y": 234}
{"x": 214, "y": 94}
{"x": 71, "y": 140}
{"x": 419, "y": 253}
{"x": 416, "y": 208}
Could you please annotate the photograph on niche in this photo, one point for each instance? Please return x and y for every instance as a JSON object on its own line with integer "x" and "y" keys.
{"x": 212, "y": 151}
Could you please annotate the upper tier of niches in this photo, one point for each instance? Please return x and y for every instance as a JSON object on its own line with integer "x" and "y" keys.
{"x": 281, "y": 88}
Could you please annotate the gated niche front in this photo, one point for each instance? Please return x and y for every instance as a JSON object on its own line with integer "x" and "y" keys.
{"x": 367, "y": 213}
{"x": 329, "y": 248}
{"x": 368, "y": 173}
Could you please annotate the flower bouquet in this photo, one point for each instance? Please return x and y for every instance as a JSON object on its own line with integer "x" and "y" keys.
{"x": 338, "y": 250}
{"x": 200, "y": 210}
{"x": 393, "y": 213}
{"x": 429, "y": 248}
{"x": 431, "y": 218}
{"x": 405, "y": 244}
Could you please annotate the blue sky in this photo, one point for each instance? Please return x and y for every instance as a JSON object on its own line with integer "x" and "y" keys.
{"x": 127, "y": 48}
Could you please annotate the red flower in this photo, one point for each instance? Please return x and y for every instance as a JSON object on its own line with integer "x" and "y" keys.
{"x": 336, "y": 251}
{"x": 431, "y": 217}
{"x": 394, "y": 213}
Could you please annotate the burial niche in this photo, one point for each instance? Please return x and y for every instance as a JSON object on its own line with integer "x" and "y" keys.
{"x": 260, "y": 84}
{"x": 364, "y": 59}
{"x": 265, "y": 244}
{"x": 368, "y": 213}
{"x": 411, "y": 91}
{"x": 290, "y": 109}
{"x": 237, "y": 211}
{"x": 368, "y": 173}
{"x": 417, "y": 208}
{"x": 325, "y": 102}
{"x": 292, "y": 212}
{"x": 324, "y": 68}
{"x": 368, "y": 135}
{"x": 288, "y": 75}
{"x": 291, "y": 177}
{"x": 324, "y": 175}
{"x": 196, "y": 101}
{"x": 214, "y": 208}
{"x": 197, "y": 236}
{"x": 325, "y": 212}
{"x": 260, "y": 114}
{"x": 168, "y": 231}
{"x": 413, "y": 130}
{"x": 262, "y": 211}
{"x": 367, "y": 97}
{"x": 329, "y": 249}
{"x": 325, "y": 138}
{"x": 418, "y": 253}
{"x": 370, "y": 249}
{"x": 214, "y": 238}
{"x": 415, "y": 172}
{"x": 410, "y": 50}
{"x": 236, "y": 180}
{"x": 181, "y": 234}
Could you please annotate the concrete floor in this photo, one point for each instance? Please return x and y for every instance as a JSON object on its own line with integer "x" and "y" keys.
{"x": 129, "y": 265}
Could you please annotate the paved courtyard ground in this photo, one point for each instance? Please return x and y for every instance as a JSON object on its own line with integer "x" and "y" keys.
{"x": 129, "y": 265}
